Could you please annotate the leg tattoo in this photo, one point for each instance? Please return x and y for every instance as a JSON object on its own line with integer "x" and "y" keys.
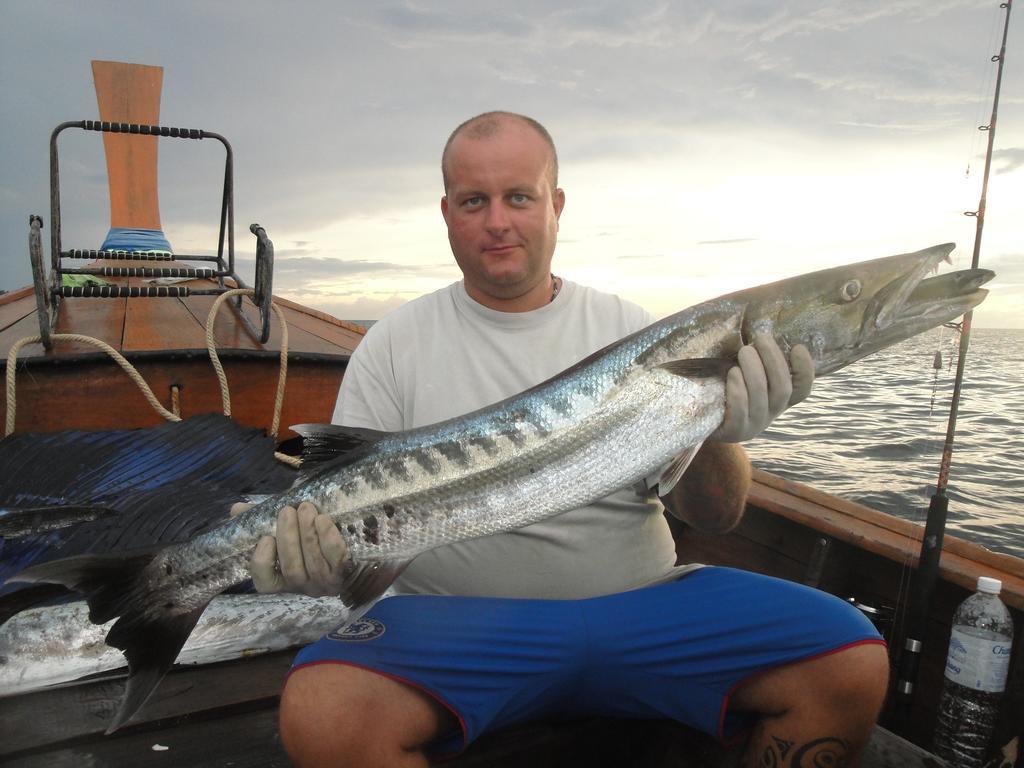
{"x": 827, "y": 752}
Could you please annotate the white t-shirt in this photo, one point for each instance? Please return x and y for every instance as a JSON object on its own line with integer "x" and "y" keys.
{"x": 444, "y": 355}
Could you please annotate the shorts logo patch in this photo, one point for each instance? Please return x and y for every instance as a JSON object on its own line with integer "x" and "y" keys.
{"x": 359, "y": 631}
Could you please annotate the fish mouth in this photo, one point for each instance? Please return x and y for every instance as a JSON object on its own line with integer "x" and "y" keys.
{"x": 913, "y": 302}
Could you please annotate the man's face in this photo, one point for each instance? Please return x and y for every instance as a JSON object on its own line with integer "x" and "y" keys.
{"x": 502, "y": 216}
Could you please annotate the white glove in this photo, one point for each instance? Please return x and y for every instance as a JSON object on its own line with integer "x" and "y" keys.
{"x": 308, "y": 556}
{"x": 761, "y": 387}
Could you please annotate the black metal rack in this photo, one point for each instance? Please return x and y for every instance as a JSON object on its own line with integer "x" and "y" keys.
{"x": 49, "y": 285}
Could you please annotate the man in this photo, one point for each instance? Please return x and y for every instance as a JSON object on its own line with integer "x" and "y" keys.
{"x": 584, "y": 613}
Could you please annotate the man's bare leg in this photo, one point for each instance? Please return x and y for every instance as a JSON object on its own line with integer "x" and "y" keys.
{"x": 818, "y": 712}
{"x": 337, "y": 715}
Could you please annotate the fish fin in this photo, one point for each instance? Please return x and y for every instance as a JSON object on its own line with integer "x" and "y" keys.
{"x": 87, "y": 467}
{"x": 322, "y": 443}
{"x": 20, "y": 600}
{"x": 16, "y": 522}
{"x": 700, "y": 367}
{"x": 107, "y": 581}
{"x": 675, "y": 469}
{"x": 355, "y": 614}
{"x": 150, "y": 637}
{"x": 367, "y": 582}
{"x": 150, "y": 644}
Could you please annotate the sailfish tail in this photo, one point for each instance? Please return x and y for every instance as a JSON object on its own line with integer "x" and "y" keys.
{"x": 150, "y": 634}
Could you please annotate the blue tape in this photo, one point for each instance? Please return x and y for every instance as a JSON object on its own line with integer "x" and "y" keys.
{"x": 127, "y": 239}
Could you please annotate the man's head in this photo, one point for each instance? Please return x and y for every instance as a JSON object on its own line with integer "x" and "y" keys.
{"x": 488, "y": 124}
{"x": 501, "y": 206}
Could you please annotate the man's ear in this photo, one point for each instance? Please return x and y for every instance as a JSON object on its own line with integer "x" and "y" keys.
{"x": 558, "y": 201}
{"x": 444, "y": 206}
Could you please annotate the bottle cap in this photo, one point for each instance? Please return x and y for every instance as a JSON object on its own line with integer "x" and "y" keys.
{"x": 989, "y": 585}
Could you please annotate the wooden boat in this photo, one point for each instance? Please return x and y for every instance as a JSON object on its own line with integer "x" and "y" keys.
{"x": 225, "y": 713}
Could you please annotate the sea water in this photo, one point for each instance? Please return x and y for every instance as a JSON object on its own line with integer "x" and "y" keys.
{"x": 873, "y": 433}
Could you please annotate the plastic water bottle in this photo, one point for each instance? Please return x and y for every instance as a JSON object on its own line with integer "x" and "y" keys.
{"x": 976, "y": 669}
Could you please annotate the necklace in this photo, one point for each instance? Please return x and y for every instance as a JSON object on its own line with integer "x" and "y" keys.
{"x": 556, "y": 286}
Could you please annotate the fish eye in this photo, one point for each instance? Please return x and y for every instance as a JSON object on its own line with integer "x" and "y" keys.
{"x": 851, "y": 290}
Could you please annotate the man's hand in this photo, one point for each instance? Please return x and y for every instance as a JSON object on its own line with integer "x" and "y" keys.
{"x": 761, "y": 387}
{"x": 308, "y": 556}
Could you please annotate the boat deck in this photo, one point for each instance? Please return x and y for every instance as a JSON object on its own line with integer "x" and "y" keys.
{"x": 226, "y": 714}
{"x": 135, "y": 326}
{"x": 165, "y": 339}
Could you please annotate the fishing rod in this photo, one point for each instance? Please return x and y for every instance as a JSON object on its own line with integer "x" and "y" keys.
{"x": 935, "y": 525}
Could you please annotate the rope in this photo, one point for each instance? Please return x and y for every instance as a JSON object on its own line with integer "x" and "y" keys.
{"x": 135, "y": 376}
{"x": 222, "y": 378}
{"x": 12, "y": 359}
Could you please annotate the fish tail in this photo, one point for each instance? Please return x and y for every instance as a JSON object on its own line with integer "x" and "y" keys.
{"x": 151, "y": 634}
{"x": 150, "y": 643}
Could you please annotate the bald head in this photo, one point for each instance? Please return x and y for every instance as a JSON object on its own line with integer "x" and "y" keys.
{"x": 491, "y": 124}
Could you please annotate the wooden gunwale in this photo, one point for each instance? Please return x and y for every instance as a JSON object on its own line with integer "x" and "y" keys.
{"x": 886, "y": 535}
{"x": 176, "y": 354}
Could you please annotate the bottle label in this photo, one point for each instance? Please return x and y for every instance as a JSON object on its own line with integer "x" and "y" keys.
{"x": 978, "y": 663}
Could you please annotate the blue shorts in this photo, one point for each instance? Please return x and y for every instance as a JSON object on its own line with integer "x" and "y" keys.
{"x": 675, "y": 650}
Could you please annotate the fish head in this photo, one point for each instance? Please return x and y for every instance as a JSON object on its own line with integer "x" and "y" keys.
{"x": 845, "y": 313}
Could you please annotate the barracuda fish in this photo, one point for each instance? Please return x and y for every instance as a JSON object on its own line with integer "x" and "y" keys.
{"x": 643, "y": 403}
{"x": 47, "y": 646}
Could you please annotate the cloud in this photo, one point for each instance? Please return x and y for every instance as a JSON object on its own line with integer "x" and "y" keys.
{"x": 1008, "y": 160}
{"x": 815, "y": 18}
{"x": 728, "y": 241}
{"x": 327, "y": 276}
{"x": 409, "y": 22}
{"x": 1009, "y": 268}
{"x": 359, "y": 307}
{"x": 601, "y": 24}
{"x": 316, "y": 264}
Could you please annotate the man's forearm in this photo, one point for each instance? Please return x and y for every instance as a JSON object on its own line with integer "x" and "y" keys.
{"x": 713, "y": 491}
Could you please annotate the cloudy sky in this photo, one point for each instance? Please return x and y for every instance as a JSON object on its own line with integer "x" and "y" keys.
{"x": 704, "y": 146}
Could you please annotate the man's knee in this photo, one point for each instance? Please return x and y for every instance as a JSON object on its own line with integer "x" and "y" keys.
{"x": 333, "y": 714}
{"x": 824, "y": 707}
{"x": 315, "y": 723}
{"x": 851, "y": 682}
{"x": 849, "y": 686}
{"x": 858, "y": 675}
